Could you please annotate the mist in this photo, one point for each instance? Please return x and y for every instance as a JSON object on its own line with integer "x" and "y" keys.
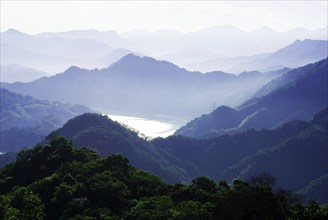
{"x": 164, "y": 109}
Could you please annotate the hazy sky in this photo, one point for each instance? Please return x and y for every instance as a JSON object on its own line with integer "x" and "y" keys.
{"x": 185, "y": 16}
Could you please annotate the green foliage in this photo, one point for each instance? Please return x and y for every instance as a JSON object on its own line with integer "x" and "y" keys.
{"x": 29, "y": 204}
{"x": 204, "y": 183}
{"x": 310, "y": 211}
{"x": 294, "y": 153}
{"x": 157, "y": 208}
{"x": 58, "y": 181}
{"x": 145, "y": 184}
{"x": 109, "y": 137}
{"x": 262, "y": 180}
{"x": 244, "y": 201}
{"x": 6, "y": 210}
{"x": 192, "y": 210}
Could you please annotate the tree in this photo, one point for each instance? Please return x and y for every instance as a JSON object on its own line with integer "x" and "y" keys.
{"x": 105, "y": 190}
{"x": 28, "y": 204}
{"x": 204, "y": 183}
{"x": 6, "y": 210}
{"x": 155, "y": 208}
{"x": 310, "y": 211}
{"x": 192, "y": 210}
{"x": 262, "y": 180}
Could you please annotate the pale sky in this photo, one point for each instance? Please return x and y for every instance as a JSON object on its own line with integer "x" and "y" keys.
{"x": 186, "y": 16}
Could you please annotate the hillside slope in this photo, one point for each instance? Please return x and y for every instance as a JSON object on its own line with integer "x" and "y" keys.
{"x": 25, "y": 120}
{"x": 295, "y": 153}
{"x": 109, "y": 137}
{"x": 298, "y": 94}
{"x": 145, "y": 87}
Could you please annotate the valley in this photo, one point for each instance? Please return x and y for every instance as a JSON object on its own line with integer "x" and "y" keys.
{"x": 152, "y": 110}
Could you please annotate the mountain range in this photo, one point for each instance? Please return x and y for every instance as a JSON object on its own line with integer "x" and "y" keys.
{"x": 299, "y": 146}
{"x": 297, "y": 94}
{"x": 271, "y": 119}
{"x": 50, "y": 55}
{"x": 143, "y": 86}
{"x": 287, "y": 148}
{"x": 293, "y": 55}
{"x": 55, "y": 52}
{"x": 221, "y": 41}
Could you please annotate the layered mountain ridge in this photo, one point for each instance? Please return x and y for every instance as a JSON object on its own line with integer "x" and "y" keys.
{"x": 297, "y": 94}
{"x": 26, "y": 120}
{"x": 153, "y": 84}
{"x": 296, "y": 54}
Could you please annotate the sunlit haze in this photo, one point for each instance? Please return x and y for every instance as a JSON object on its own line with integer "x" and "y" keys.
{"x": 148, "y": 127}
{"x": 186, "y": 16}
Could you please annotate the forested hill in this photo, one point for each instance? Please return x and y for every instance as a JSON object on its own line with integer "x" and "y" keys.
{"x": 58, "y": 181}
{"x": 180, "y": 159}
{"x": 297, "y": 149}
{"x": 110, "y": 137}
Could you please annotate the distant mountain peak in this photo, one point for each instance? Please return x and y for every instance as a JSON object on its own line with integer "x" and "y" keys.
{"x": 128, "y": 59}
{"x": 73, "y": 69}
{"x": 263, "y": 29}
{"x": 223, "y": 109}
{"x": 222, "y": 28}
{"x": 131, "y": 56}
{"x": 249, "y": 74}
{"x": 140, "y": 62}
{"x": 14, "y": 31}
{"x": 298, "y": 41}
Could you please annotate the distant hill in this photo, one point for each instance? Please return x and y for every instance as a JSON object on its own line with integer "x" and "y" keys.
{"x": 17, "y": 73}
{"x": 208, "y": 49}
{"x": 109, "y": 137}
{"x": 296, "y": 95}
{"x": 110, "y": 38}
{"x": 158, "y": 88}
{"x": 217, "y": 43}
{"x": 25, "y": 120}
{"x": 51, "y": 55}
{"x": 294, "y": 55}
{"x": 116, "y": 55}
{"x": 299, "y": 53}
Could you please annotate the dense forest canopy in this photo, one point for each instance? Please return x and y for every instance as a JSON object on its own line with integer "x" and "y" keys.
{"x": 58, "y": 181}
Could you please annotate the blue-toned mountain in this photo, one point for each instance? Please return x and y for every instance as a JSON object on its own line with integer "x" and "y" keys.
{"x": 143, "y": 86}
{"x": 297, "y": 94}
{"x": 25, "y": 120}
